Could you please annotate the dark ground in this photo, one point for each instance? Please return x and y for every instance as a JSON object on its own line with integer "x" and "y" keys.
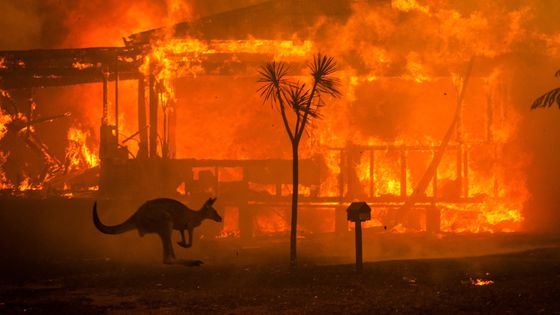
{"x": 55, "y": 262}
{"x": 524, "y": 283}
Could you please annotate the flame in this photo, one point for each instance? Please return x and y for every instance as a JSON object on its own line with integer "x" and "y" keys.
{"x": 4, "y": 183}
{"x": 481, "y": 282}
{"x": 230, "y": 225}
{"x": 176, "y": 58}
{"x": 81, "y": 66}
{"x": 4, "y": 121}
{"x": 271, "y": 222}
{"x": 27, "y": 184}
{"x": 390, "y": 57}
{"x": 408, "y": 5}
{"x": 78, "y": 155}
{"x": 181, "y": 189}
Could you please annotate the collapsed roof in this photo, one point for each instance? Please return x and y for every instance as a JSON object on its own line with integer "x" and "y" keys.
{"x": 287, "y": 19}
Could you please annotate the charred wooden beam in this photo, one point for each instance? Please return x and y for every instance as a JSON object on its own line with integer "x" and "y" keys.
{"x": 153, "y": 104}
{"x": 403, "y": 172}
{"x": 55, "y": 67}
{"x": 117, "y": 102}
{"x": 294, "y": 17}
{"x": 143, "y": 145}
{"x": 59, "y": 67}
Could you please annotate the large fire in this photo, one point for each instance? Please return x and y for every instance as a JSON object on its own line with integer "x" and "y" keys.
{"x": 402, "y": 67}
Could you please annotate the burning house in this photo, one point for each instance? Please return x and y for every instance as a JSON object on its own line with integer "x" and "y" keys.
{"x": 423, "y": 131}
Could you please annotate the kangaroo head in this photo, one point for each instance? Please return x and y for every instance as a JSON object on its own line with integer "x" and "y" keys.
{"x": 209, "y": 211}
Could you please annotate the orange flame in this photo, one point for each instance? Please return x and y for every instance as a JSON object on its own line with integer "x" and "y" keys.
{"x": 481, "y": 282}
{"x": 78, "y": 155}
{"x": 395, "y": 66}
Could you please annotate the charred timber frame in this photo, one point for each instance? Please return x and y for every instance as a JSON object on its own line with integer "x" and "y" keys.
{"x": 43, "y": 68}
{"x": 142, "y": 123}
{"x": 59, "y": 67}
{"x": 462, "y": 173}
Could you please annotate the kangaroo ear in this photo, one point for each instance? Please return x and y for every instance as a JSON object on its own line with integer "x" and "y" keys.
{"x": 210, "y": 201}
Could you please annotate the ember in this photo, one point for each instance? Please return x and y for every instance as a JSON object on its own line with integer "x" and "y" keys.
{"x": 481, "y": 282}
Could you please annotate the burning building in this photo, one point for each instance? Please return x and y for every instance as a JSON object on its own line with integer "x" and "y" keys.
{"x": 425, "y": 123}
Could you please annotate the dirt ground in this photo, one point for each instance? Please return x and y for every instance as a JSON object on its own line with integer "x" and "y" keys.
{"x": 525, "y": 282}
{"x": 54, "y": 261}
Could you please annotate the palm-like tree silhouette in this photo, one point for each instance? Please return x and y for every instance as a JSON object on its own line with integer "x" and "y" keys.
{"x": 548, "y": 98}
{"x": 304, "y": 104}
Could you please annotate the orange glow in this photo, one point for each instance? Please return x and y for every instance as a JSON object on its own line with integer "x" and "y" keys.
{"x": 4, "y": 121}
{"x": 26, "y": 185}
{"x": 230, "y": 225}
{"x": 481, "y": 282}
{"x": 272, "y": 221}
{"x": 399, "y": 87}
{"x": 408, "y": 5}
{"x": 179, "y": 58}
{"x": 78, "y": 155}
{"x": 181, "y": 189}
{"x": 81, "y": 66}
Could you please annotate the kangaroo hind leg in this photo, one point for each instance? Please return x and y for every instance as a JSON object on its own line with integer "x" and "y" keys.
{"x": 183, "y": 243}
{"x": 168, "y": 253}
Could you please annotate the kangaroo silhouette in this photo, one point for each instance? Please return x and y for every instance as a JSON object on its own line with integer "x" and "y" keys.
{"x": 162, "y": 216}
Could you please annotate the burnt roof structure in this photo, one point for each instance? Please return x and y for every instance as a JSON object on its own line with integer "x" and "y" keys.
{"x": 268, "y": 20}
{"x": 55, "y": 67}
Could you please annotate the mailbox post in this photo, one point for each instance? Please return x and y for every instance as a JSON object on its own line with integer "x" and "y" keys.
{"x": 358, "y": 212}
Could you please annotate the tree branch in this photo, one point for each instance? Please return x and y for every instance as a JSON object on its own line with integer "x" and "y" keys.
{"x": 284, "y": 118}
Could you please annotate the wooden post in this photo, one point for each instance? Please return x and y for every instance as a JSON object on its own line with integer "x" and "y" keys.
{"x": 359, "y": 259}
{"x": 104, "y": 119}
{"x": 103, "y": 172}
{"x": 165, "y": 144}
{"x": 117, "y": 101}
{"x": 172, "y": 129}
{"x": 403, "y": 172}
{"x": 358, "y": 212}
{"x": 103, "y": 141}
{"x": 371, "y": 173}
{"x": 153, "y": 117}
{"x": 143, "y": 145}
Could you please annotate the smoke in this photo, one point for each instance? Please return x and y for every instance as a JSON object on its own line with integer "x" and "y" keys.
{"x": 20, "y": 24}
{"x": 32, "y": 24}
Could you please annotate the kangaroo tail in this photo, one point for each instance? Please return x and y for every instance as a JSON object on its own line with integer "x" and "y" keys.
{"x": 114, "y": 229}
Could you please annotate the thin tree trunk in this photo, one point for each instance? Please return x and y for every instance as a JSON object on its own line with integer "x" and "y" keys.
{"x": 295, "y": 193}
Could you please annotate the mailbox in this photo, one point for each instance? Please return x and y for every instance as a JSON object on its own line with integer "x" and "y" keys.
{"x": 358, "y": 212}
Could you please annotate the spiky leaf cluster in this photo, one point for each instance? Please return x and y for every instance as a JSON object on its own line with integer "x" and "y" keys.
{"x": 303, "y": 100}
{"x": 549, "y": 98}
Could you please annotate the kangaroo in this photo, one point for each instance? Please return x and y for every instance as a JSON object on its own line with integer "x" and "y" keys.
{"x": 162, "y": 216}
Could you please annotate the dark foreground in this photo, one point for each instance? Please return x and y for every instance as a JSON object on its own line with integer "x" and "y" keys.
{"x": 524, "y": 283}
